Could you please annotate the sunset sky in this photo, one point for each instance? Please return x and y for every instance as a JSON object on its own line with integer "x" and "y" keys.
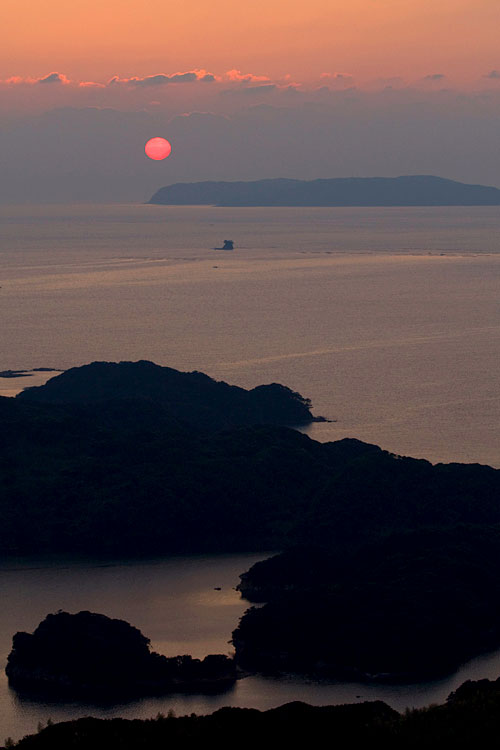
{"x": 390, "y": 86}
{"x": 368, "y": 39}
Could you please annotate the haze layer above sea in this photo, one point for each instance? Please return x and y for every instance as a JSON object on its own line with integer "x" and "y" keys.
{"x": 387, "y": 318}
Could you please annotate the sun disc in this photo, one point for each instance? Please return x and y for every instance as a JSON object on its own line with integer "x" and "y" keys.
{"x": 157, "y": 148}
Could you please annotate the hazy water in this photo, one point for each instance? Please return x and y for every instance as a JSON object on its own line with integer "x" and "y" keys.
{"x": 389, "y": 319}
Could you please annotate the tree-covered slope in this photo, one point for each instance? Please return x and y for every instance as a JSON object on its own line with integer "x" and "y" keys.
{"x": 88, "y": 655}
{"x": 123, "y": 474}
{"x": 411, "y": 606}
{"x": 192, "y": 397}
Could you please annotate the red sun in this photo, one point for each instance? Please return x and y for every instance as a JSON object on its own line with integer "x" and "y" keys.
{"x": 157, "y": 148}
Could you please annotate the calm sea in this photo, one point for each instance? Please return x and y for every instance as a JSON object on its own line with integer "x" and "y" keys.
{"x": 389, "y": 319}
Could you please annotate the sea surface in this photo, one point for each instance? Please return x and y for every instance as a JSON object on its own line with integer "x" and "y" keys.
{"x": 387, "y": 318}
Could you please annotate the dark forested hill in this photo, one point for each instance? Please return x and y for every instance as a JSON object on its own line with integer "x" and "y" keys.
{"x": 417, "y": 190}
{"x": 127, "y": 474}
{"x": 411, "y": 606}
{"x": 192, "y": 397}
{"x": 123, "y": 477}
{"x": 89, "y": 656}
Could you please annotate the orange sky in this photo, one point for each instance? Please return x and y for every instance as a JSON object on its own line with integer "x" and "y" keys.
{"x": 95, "y": 39}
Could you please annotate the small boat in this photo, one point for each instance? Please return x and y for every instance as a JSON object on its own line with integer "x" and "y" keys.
{"x": 228, "y": 245}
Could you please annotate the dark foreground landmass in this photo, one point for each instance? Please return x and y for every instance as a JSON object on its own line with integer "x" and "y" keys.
{"x": 91, "y": 656}
{"x": 391, "y": 566}
{"x": 123, "y": 477}
{"x": 417, "y": 190}
{"x": 470, "y": 718}
{"x": 409, "y": 607}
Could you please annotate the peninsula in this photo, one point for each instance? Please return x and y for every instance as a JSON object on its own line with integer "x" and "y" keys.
{"x": 413, "y": 190}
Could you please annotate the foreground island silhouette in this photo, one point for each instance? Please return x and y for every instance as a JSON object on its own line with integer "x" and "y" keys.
{"x": 93, "y": 657}
{"x": 387, "y": 566}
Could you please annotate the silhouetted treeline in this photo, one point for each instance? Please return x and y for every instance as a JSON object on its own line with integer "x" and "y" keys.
{"x": 470, "y": 718}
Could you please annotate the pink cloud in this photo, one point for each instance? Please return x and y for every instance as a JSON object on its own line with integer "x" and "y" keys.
{"x": 434, "y": 77}
{"x": 160, "y": 79}
{"x": 238, "y": 76}
{"x": 336, "y": 77}
{"x": 54, "y": 78}
{"x": 15, "y": 80}
{"x": 91, "y": 84}
{"x": 51, "y": 78}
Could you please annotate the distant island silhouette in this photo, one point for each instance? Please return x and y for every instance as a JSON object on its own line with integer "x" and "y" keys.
{"x": 416, "y": 190}
{"x": 24, "y": 373}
